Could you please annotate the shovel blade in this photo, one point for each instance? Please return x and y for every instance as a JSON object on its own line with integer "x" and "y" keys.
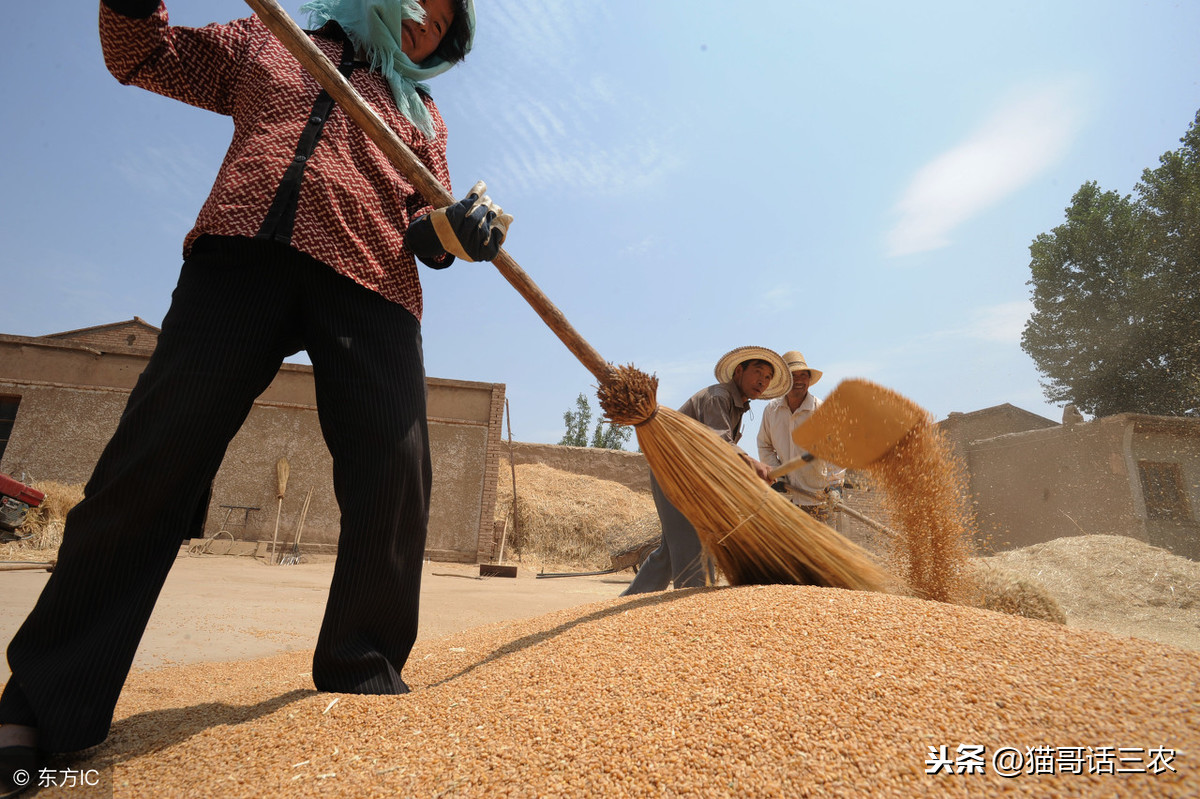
{"x": 858, "y": 423}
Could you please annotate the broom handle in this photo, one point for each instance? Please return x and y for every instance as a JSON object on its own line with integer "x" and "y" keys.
{"x": 332, "y": 81}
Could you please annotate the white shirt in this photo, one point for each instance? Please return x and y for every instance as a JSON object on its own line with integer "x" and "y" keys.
{"x": 775, "y": 447}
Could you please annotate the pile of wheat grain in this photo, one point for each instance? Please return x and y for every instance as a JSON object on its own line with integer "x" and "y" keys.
{"x": 752, "y": 691}
{"x": 994, "y": 587}
{"x": 570, "y": 519}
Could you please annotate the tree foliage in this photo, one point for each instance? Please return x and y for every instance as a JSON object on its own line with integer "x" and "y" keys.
{"x": 1116, "y": 294}
{"x": 604, "y": 435}
{"x": 577, "y": 422}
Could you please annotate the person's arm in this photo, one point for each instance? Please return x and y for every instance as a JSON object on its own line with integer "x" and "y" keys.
{"x": 715, "y": 410}
{"x": 766, "y": 446}
{"x": 198, "y": 66}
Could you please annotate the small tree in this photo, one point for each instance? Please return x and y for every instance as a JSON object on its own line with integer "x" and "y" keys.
{"x": 611, "y": 436}
{"x": 605, "y": 435}
{"x": 577, "y": 423}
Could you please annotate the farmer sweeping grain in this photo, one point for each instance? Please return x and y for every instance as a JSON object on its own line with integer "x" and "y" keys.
{"x": 309, "y": 240}
{"x": 696, "y": 470}
{"x": 742, "y": 375}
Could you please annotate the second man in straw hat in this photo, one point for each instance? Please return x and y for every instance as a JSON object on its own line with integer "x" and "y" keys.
{"x": 818, "y": 484}
{"x": 743, "y": 374}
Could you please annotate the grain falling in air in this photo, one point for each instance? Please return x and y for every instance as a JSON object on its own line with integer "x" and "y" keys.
{"x": 924, "y": 492}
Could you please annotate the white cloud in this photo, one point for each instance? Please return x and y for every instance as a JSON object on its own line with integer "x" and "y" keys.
{"x": 776, "y": 300}
{"x": 560, "y": 117}
{"x": 1001, "y": 323}
{"x": 1021, "y": 140}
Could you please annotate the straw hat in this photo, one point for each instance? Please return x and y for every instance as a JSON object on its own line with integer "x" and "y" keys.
{"x": 796, "y": 363}
{"x": 780, "y": 383}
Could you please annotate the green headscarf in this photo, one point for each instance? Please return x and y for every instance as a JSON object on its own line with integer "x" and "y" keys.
{"x": 374, "y": 25}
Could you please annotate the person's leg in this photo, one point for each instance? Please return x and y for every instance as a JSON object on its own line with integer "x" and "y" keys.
{"x": 655, "y": 572}
{"x": 687, "y": 555}
{"x": 677, "y": 559}
{"x": 370, "y": 381}
{"x": 217, "y": 351}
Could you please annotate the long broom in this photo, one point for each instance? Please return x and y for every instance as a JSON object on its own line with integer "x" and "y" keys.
{"x": 754, "y": 534}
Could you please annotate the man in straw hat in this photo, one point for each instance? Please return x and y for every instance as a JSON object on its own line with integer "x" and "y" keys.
{"x": 817, "y": 485}
{"x": 742, "y": 375}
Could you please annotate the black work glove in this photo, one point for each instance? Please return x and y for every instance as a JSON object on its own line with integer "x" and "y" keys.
{"x": 422, "y": 241}
{"x": 472, "y": 229}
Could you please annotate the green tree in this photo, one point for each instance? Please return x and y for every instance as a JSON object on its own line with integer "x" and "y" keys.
{"x": 1116, "y": 294}
{"x": 577, "y": 422}
{"x": 610, "y": 436}
{"x": 605, "y": 435}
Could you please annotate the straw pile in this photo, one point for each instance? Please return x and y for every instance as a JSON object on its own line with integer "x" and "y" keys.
{"x": 993, "y": 587}
{"x": 1117, "y": 584}
{"x": 42, "y": 531}
{"x": 572, "y": 520}
{"x": 746, "y": 691}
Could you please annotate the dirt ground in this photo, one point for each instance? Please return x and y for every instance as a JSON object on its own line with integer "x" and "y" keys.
{"x": 222, "y": 608}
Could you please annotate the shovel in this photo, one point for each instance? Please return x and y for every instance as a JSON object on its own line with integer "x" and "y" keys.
{"x": 857, "y": 425}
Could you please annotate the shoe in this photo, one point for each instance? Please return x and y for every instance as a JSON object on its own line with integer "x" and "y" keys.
{"x": 18, "y": 769}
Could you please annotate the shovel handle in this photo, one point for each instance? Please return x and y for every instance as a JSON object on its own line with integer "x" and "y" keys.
{"x": 332, "y": 81}
{"x": 792, "y": 465}
{"x": 849, "y": 511}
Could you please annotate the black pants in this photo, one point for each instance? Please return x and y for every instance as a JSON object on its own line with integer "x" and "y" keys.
{"x": 239, "y": 309}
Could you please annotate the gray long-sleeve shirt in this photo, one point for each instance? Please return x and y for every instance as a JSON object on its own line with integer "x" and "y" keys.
{"x": 721, "y": 406}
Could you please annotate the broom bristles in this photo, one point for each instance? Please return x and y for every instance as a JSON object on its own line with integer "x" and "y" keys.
{"x": 755, "y": 534}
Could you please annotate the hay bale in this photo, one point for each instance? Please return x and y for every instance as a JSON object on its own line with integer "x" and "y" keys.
{"x": 995, "y": 588}
{"x": 42, "y": 531}
{"x": 569, "y": 519}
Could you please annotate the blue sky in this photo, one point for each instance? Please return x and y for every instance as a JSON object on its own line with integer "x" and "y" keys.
{"x": 857, "y": 180}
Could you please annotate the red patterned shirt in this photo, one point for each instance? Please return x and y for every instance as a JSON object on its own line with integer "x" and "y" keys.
{"x": 353, "y": 207}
